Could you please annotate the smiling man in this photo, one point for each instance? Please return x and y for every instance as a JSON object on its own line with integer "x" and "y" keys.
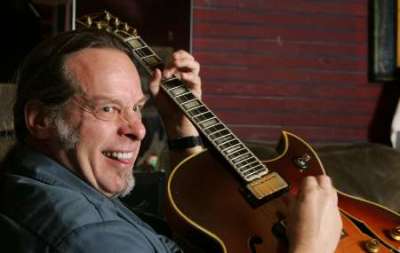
{"x": 105, "y": 114}
{"x": 78, "y": 123}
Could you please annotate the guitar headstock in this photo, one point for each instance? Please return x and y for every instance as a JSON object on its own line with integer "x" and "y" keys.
{"x": 112, "y": 24}
{"x": 106, "y": 21}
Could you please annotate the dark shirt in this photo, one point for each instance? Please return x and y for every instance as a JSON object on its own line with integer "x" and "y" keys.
{"x": 62, "y": 213}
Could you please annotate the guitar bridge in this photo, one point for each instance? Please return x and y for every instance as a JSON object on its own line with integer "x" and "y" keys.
{"x": 267, "y": 186}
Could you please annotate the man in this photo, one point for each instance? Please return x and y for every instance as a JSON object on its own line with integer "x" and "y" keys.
{"x": 79, "y": 128}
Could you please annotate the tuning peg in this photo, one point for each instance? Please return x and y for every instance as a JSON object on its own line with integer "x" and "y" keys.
{"x": 116, "y": 22}
{"x": 99, "y": 25}
{"x": 395, "y": 233}
{"x": 107, "y": 15}
{"x": 126, "y": 27}
{"x": 89, "y": 21}
{"x": 372, "y": 246}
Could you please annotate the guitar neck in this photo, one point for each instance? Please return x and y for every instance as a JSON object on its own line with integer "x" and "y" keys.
{"x": 245, "y": 163}
{"x": 218, "y": 134}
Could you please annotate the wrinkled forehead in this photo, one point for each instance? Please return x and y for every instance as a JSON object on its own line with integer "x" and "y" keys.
{"x": 104, "y": 72}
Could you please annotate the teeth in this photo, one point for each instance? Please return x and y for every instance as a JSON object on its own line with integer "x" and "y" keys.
{"x": 119, "y": 155}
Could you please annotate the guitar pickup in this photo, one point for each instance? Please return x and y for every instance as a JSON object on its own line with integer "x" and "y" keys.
{"x": 267, "y": 186}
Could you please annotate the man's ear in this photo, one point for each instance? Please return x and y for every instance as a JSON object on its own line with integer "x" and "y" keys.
{"x": 37, "y": 120}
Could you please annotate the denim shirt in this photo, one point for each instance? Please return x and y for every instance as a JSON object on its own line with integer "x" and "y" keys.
{"x": 65, "y": 214}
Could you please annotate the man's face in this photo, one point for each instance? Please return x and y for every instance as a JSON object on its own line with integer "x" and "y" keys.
{"x": 105, "y": 150}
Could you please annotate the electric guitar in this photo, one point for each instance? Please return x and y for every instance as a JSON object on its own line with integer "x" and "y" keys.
{"x": 225, "y": 199}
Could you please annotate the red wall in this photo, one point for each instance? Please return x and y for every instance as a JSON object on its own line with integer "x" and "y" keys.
{"x": 301, "y": 66}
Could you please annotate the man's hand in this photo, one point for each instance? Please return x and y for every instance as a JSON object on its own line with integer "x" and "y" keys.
{"x": 184, "y": 66}
{"x": 314, "y": 223}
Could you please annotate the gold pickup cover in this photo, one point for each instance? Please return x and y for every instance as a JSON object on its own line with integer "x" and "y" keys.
{"x": 267, "y": 185}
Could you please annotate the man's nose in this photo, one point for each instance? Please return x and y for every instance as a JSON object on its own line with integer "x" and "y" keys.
{"x": 130, "y": 115}
{"x": 133, "y": 125}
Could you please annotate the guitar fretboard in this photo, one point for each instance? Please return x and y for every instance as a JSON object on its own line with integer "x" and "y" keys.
{"x": 245, "y": 163}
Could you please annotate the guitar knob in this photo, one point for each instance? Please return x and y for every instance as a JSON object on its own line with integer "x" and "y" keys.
{"x": 372, "y": 246}
{"x": 303, "y": 161}
{"x": 395, "y": 233}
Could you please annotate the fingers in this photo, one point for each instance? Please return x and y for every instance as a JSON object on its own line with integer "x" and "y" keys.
{"x": 313, "y": 184}
{"x": 181, "y": 62}
{"x": 154, "y": 84}
{"x": 193, "y": 81}
{"x": 185, "y": 67}
{"x": 321, "y": 181}
{"x": 314, "y": 222}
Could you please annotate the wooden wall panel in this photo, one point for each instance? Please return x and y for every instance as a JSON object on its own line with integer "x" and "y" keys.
{"x": 302, "y": 66}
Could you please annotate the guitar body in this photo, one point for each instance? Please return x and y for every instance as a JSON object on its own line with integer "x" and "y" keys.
{"x": 210, "y": 209}
{"x": 207, "y": 204}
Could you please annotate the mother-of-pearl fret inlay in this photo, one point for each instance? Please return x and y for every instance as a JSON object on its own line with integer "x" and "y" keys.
{"x": 241, "y": 157}
{"x": 219, "y": 134}
{"x": 213, "y": 129}
{"x": 191, "y": 104}
{"x": 224, "y": 139}
{"x": 230, "y": 150}
{"x": 143, "y": 52}
{"x": 208, "y": 123}
{"x": 179, "y": 91}
{"x": 202, "y": 117}
{"x": 135, "y": 42}
{"x": 245, "y": 163}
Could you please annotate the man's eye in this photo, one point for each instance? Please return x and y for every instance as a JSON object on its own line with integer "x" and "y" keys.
{"x": 109, "y": 108}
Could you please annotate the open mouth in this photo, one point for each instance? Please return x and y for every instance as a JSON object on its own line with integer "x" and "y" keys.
{"x": 119, "y": 156}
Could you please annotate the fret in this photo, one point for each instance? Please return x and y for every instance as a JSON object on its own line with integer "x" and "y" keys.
{"x": 228, "y": 144}
{"x": 242, "y": 151}
{"x": 197, "y": 110}
{"x": 204, "y": 116}
{"x": 241, "y": 157}
{"x": 172, "y": 83}
{"x": 191, "y": 104}
{"x": 123, "y": 35}
{"x": 242, "y": 163}
{"x": 249, "y": 166}
{"x": 224, "y": 139}
{"x": 153, "y": 62}
{"x": 255, "y": 170}
{"x": 219, "y": 134}
{"x": 144, "y": 52}
{"x": 249, "y": 174}
{"x": 251, "y": 171}
{"x": 185, "y": 98}
{"x": 208, "y": 123}
{"x": 135, "y": 42}
{"x": 232, "y": 149}
{"x": 214, "y": 128}
{"x": 179, "y": 91}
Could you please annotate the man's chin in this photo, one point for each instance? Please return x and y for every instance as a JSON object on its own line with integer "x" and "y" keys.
{"x": 130, "y": 184}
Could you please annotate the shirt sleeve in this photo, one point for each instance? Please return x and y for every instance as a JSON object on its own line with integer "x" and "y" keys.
{"x": 115, "y": 236}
